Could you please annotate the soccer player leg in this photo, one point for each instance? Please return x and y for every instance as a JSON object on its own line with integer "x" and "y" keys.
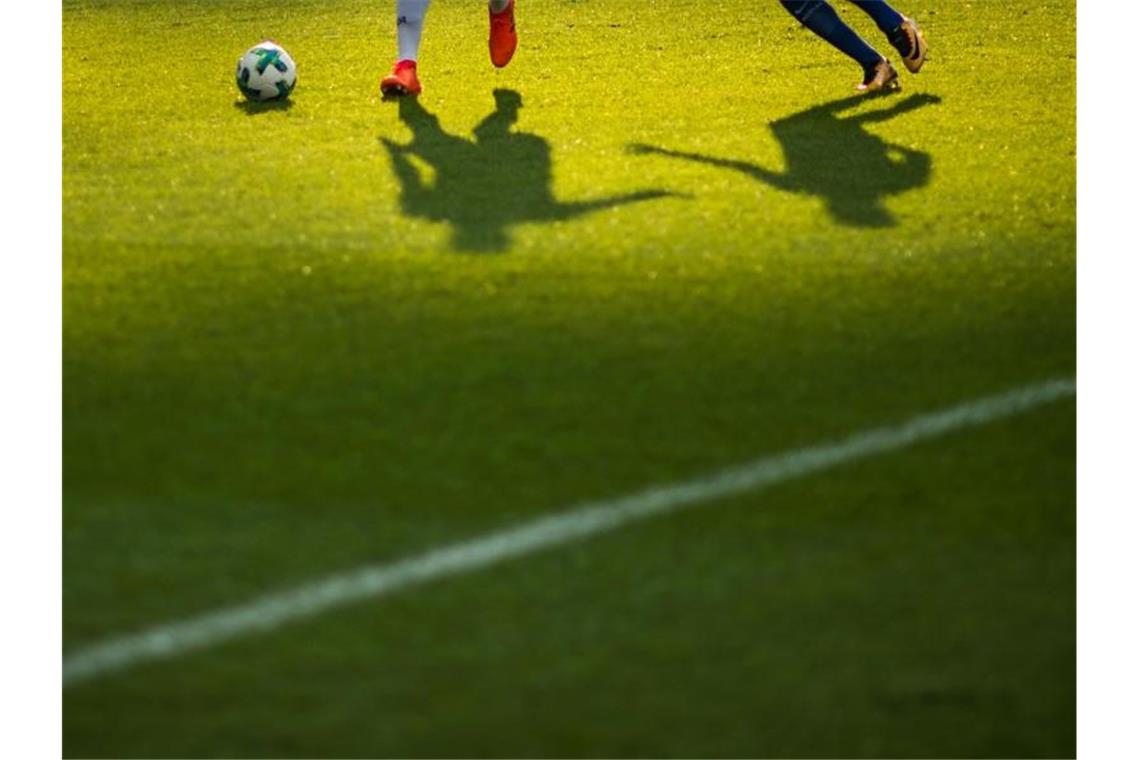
{"x": 503, "y": 40}
{"x": 409, "y": 29}
{"x": 903, "y": 34}
{"x": 821, "y": 18}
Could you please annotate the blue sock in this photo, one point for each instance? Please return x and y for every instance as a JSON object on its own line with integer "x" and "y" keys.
{"x": 885, "y": 17}
{"x": 822, "y": 19}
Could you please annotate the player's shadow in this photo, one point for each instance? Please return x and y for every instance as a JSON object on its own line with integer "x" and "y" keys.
{"x": 836, "y": 159}
{"x": 485, "y": 185}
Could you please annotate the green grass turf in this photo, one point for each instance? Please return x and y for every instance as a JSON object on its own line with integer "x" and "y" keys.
{"x": 283, "y": 360}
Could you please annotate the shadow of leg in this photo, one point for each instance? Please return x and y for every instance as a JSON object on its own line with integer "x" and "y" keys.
{"x": 836, "y": 159}
{"x": 483, "y": 187}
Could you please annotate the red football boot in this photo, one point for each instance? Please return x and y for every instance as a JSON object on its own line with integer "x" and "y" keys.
{"x": 402, "y": 81}
{"x": 503, "y": 40}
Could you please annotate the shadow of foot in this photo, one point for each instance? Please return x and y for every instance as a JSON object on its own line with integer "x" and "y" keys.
{"x": 254, "y": 107}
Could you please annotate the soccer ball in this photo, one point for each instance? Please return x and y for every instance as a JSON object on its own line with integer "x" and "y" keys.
{"x": 266, "y": 72}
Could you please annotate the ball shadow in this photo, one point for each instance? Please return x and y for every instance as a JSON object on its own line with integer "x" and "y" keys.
{"x": 254, "y": 107}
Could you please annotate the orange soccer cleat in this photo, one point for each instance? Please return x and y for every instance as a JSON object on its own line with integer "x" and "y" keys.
{"x": 504, "y": 39}
{"x": 402, "y": 81}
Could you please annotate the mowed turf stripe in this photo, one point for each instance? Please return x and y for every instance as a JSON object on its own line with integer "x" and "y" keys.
{"x": 272, "y": 611}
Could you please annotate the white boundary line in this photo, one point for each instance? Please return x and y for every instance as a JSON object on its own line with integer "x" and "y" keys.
{"x": 274, "y": 610}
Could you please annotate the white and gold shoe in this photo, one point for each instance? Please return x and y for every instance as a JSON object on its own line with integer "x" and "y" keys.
{"x": 881, "y": 78}
{"x": 911, "y": 44}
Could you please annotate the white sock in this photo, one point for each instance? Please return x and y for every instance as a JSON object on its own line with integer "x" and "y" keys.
{"x": 409, "y": 27}
{"x": 498, "y": 6}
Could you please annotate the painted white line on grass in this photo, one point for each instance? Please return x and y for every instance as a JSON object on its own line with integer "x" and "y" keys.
{"x": 274, "y": 610}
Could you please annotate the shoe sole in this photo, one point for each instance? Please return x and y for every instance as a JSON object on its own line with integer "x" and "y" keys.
{"x": 396, "y": 91}
{"x": 893, "y": 86}
{"x": 502, "y": 65}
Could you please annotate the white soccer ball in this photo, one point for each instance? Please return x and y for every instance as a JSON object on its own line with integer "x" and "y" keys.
{"x": 266, "y": 72}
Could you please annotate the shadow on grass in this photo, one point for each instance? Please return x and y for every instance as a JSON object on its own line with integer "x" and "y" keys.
{"x": 836, "y": 159}
{"x": 482, "y": 187}
{"x": 254, "y": 107}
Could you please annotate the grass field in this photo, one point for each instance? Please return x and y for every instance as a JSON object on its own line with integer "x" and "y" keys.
{"x": 298, "y": 340}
